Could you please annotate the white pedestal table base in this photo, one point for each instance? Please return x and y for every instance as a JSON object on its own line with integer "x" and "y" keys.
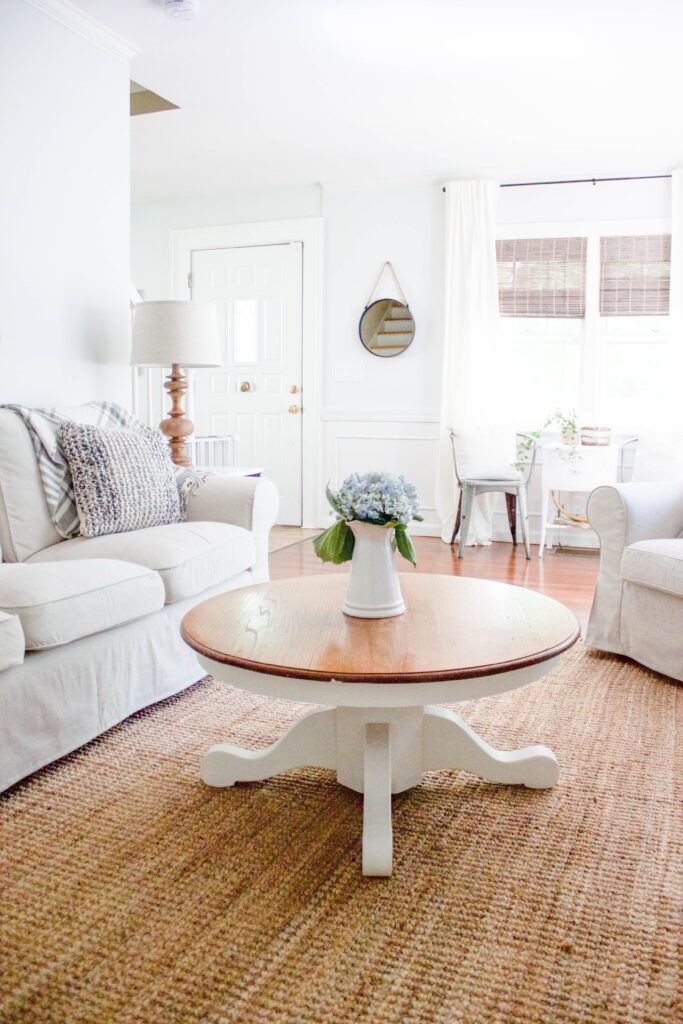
{"x": 377, "y": 752}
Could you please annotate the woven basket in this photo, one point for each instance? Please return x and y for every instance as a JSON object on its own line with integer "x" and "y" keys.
{"x": 596, "y": 435}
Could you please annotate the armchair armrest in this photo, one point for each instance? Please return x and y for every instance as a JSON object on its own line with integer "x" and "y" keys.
{"x": 247, "y": 501}
{"x": 622, "y": 514}
{"x": 12, "y": 642}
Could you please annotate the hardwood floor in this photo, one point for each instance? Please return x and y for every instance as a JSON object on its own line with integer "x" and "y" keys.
{"x": 566, "y": 574}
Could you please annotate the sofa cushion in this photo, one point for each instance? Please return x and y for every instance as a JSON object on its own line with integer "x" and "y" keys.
{"x": 12, "y": 644}
{"x": 189, "y": 557}
{"x": 57, "y": 603}
{"x": 655, "y": 563}
{"x": 122, "y": 479}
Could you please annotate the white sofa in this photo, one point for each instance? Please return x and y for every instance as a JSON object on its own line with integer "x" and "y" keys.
{"x": 638, "y": 604}
{"x": 90, "y": 627}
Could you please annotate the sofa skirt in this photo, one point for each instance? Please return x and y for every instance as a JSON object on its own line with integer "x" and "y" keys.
{"x": 59, "y": 699}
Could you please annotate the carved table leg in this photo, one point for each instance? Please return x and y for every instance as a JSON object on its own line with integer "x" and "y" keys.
{"x": 358, "y": 743}
{"x": 310, "y": 741}
{"x": 450, "y": 743}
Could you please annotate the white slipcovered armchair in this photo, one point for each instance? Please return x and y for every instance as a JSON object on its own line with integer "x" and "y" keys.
{"x": 638, "y": 606}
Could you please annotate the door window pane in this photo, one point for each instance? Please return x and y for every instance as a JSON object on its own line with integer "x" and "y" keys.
{"x": 245, "y": 331}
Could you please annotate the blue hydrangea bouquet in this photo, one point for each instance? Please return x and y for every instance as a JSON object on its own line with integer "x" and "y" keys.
{"x": 380, "y": 499}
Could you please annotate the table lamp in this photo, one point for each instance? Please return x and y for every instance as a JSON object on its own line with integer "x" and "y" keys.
{"x": 177, "y": 334}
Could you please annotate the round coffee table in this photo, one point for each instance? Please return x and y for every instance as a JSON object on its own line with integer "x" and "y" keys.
{"x": 377, "y": 681}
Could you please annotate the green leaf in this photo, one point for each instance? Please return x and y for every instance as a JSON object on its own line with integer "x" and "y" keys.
{"x": 419, "y": 518}
{"x": 405, "y": 544}
{"x": 332, "y": 498}
{"x": 335, "y": 544}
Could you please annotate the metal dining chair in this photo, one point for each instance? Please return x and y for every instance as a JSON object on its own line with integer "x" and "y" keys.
{"x": 513, "y": 486}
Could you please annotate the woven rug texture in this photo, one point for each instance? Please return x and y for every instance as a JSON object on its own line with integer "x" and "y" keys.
{"x": 135, "y": 894}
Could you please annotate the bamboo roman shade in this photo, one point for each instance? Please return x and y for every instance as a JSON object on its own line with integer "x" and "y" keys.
{"x": 634, "y": 275}
{"x": 542, "y": 277}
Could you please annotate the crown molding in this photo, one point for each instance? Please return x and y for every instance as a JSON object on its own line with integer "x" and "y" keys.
{"x": 82, "y": 24}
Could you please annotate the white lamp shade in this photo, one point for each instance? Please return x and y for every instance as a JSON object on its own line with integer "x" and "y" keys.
{"x": 170, "y": 332}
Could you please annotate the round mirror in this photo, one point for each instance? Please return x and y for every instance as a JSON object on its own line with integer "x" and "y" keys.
{"x": 386, "y": 327}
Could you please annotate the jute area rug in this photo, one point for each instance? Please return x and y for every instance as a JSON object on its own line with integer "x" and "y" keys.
{"x": 134, "y": 893}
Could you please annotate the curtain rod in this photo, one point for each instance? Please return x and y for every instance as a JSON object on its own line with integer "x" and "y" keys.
{"x": 579, "y": 181}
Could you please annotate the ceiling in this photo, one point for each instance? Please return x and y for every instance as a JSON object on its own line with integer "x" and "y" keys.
{"x": 284, "y": 93}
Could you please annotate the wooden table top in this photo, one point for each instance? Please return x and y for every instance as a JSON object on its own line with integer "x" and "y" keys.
{"x": 454, "y": 627}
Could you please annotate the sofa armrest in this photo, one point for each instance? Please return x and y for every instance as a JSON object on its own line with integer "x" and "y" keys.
{"x": 247, "y": 501}
{"x": 12, "y": 642}
{"x": 622, "y": 514}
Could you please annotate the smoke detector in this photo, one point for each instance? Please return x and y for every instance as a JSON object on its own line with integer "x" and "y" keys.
{"x": 180, "y": 10}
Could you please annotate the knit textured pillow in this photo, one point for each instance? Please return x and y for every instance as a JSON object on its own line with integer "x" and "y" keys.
{"x": 122, "y": 479}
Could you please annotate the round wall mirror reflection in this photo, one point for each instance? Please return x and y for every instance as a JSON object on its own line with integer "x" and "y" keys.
{"x": 386, "y": 327}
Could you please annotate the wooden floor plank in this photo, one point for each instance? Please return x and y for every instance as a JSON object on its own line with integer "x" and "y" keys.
{"x": 566, "y": 574}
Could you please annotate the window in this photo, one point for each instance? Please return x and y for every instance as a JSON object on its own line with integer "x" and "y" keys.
{"x": 584, "y": 323}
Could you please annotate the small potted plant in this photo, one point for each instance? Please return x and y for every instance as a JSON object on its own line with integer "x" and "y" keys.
{"x": 568, "y": 424}
{"x": 373, "y": 512}
{"x": 526, "y": 444}
{"x": 569, "y": 431}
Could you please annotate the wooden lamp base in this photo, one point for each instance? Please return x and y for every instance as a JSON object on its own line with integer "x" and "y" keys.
{"x": 177, "y": 427}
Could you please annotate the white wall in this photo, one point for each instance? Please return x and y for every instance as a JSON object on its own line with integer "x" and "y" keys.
{"x": 640, "y": 199}
{"x": 64, "y": 324}
{"x": 381, "y": 413}
{"x": 365, "y": 226}
{"x": 364, "y": 420}
{"x": 64, "y": 214}
{"x": 152, "y": 223}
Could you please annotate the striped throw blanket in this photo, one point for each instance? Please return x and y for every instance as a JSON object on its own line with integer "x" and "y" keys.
{"x": 43, "y": 424}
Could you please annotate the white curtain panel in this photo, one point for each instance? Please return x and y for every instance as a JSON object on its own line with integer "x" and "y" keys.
{"x": 676, "y": 303}
{"x": 659, "y": 454}
{"x": 676, "y": 300}
{"x": 470, "y": 384}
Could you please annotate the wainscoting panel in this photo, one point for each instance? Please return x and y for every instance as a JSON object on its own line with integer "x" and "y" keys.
{"x": 406, "y": 441}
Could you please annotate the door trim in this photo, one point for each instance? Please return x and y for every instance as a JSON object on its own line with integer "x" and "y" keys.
{"x": 308, "y": 231}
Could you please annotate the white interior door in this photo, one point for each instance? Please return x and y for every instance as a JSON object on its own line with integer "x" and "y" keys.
{"x": 256, "y": 394}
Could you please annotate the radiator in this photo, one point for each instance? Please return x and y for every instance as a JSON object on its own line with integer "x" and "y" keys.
{"x": 213, "y": 452}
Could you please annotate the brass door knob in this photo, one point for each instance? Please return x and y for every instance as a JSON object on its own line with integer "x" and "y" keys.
{"x": 245, "y": 385}
{"x": 293, "y": 408}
